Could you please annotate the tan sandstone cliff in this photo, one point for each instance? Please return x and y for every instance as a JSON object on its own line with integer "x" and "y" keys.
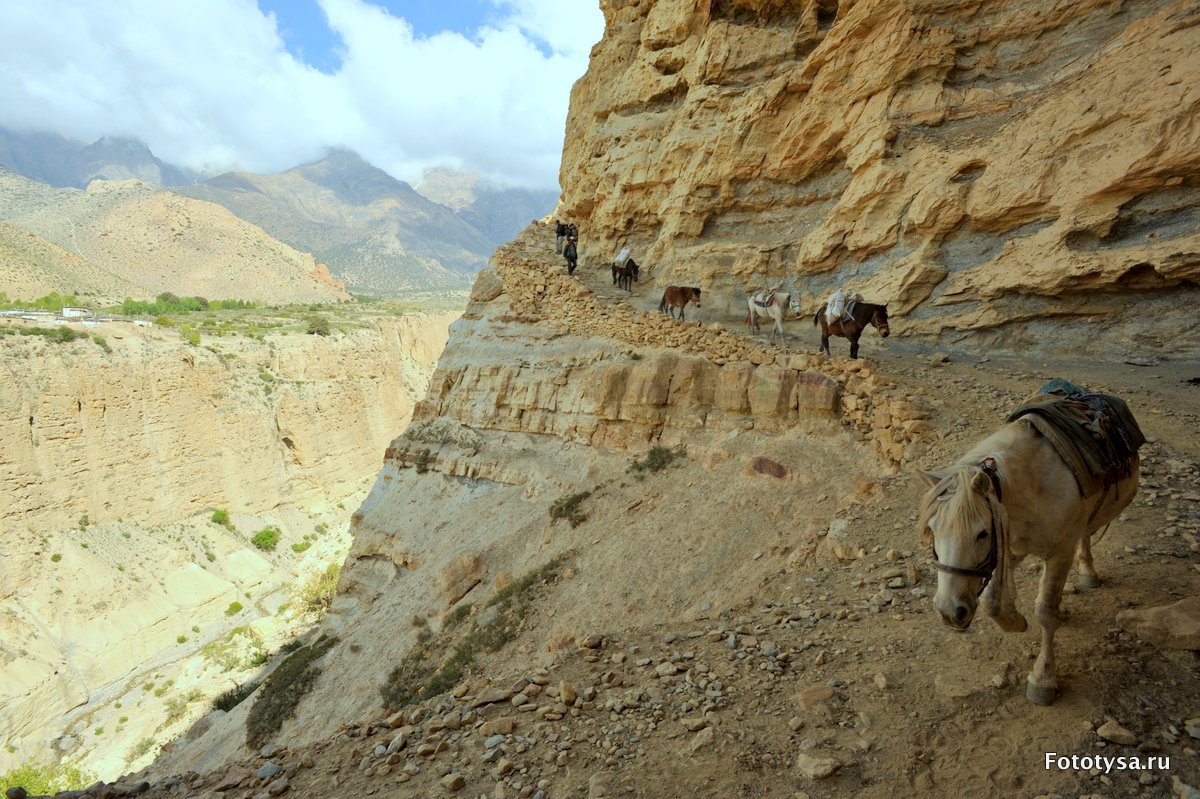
{"x": 111, "y": 461}
{"x": 974, "y": 165}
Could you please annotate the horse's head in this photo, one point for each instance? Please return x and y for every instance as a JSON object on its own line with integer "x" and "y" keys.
{"x": 880, "y": 320}
{"x": 696, "y": 296}
{"x": 958, "y": 519}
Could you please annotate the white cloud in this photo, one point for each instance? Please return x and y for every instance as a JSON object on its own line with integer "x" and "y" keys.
{"x": 210, "y": 85}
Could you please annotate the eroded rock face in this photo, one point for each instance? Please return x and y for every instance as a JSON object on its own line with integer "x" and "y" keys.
{"x": 156, "y": 430}
{"x": 970, "y": 165}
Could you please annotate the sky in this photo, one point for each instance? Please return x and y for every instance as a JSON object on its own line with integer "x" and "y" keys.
{"x": 214, "y": 85}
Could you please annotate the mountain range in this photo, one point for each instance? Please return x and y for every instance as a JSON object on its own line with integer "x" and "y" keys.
{"x": 376, "y": 233}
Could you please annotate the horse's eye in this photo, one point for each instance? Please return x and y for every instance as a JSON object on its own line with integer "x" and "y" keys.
{"x": 982, "y": 535}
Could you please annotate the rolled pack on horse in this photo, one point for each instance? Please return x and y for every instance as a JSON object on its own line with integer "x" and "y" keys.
{"x": 1064, "y": 466}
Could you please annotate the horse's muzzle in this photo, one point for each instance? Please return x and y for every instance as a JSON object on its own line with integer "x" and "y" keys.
{"x": 958, "y": 615}
{"x": 885, "y": 332}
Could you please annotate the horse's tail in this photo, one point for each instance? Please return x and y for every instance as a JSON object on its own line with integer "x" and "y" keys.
{"x": 662, "y": 306}
{"x": 747, "y": 320}
{"x": 817, "y": 317}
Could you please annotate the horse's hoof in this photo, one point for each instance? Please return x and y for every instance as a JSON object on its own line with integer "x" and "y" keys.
{"x": 1087, "y": 581}
{"x": 1040, "y": 696}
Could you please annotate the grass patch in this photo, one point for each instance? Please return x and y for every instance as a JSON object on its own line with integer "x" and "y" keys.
{"x": 234, "y": 696}
{"x": 424, "y": 458}
{"x": 316, "y": 595}
{"x": 140, "y": 749}
{"x": 234, "y": 608}
{"x": 456, "y": 616}
{"x": 46, "y": 780}
{"x": 282, "y": 691}
{"x": 568, "y": 508}
{"x": 267, "y": 538}
{"x": 426, "y": 672}
{"x": 221, "y": 516}
{"x": 301, "y": 546}
{"x": 657, "y": 459}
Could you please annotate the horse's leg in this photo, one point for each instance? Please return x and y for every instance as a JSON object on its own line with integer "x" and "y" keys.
{"x": 854, "y": 346}
{"x": 1088, "y": 578}
{"x": 1004, "y": 612}
{"x": 681, "y": 316}
{"x": 1041, "y": 686}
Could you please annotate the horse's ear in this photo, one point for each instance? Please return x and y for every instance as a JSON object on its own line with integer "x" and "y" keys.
{"x": 931, "y": 478}
{"x": 981, "y": 482}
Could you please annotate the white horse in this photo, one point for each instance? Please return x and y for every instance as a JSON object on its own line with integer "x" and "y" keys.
{"x": 1012, "y": 495}
{"x": 777, "y": 304}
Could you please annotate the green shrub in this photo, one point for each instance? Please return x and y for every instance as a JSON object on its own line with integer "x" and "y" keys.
{"x": 301, "y": 547}
{"x": 101, "y": 342}
{"x": 424, "y": 458}
{"x": 221, "y": 516}
{"x": 316, "y": 594}
{"x": 234, "y": 696}
{"x": 140, "y": 749}
{"x": 195, "y": 628}
{"x": 162, "y": 320}
{"x": 46, "y": 780}
{"x": 282, "y": 691}
{"x": 190, "y": 335}
{"x": 56, "y": 557}
{"x": 234, "y": 608}
{"x": 568, "y": 508}
{"x": 456, "y": 616}
{"x": 181, "y": 639}
{"x": 657, "y": 459}
{"x": 419, "y": 675}
{"x": 267, "y": 538}
{"x": 318, "y": 326}
{"x": 123, "y": 719}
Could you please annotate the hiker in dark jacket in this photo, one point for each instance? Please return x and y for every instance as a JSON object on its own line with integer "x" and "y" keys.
{"x": 560, "y": 231}
{"x": 571, "y": 253}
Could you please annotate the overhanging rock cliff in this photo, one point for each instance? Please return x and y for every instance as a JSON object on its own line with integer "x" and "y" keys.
{"x": 974, "y": 164}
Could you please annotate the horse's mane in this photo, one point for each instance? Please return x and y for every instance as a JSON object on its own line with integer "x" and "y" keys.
{"x": 956, "y": 495}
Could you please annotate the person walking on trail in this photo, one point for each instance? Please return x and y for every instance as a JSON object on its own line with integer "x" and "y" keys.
{"x": 573, "y": 231}
{"x": 560, "y": 232}
{"x": 571, "y": 253}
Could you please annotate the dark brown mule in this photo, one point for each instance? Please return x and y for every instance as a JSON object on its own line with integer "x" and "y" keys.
{"x": 625, "y": 276}
{"x": 677, "y": 297}
{"x": 862, "y": 314}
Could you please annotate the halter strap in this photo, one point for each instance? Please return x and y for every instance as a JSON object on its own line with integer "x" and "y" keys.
{"x": 986, "y": 569}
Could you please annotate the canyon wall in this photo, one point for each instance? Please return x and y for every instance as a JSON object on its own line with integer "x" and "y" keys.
{"x": 981, "y": 167}
{"x": 118, "y": 587}
{"x": 156, "y": 430}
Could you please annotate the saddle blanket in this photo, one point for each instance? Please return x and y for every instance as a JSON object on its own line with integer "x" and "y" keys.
{"x": 764, "y": 302}
{"x": 1095, "y": 434}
